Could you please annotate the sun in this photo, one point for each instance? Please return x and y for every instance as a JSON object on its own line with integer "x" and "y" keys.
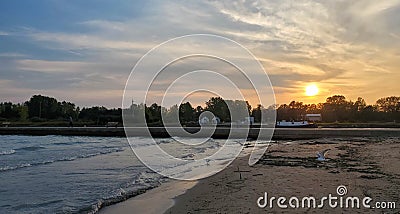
{"x": 312, "y": 90}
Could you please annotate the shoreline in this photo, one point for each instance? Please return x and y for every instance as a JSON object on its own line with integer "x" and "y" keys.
{"x": 219, "y": 133}
{"x": 156, "y": 200}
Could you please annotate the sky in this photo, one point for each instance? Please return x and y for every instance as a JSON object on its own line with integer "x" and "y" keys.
{"x": 84, "y": 51}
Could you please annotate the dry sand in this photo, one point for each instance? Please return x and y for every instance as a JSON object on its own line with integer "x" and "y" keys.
{"x": 367, "y": 167}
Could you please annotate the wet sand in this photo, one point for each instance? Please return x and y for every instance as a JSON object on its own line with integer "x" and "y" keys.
{"x": 156, "y": 200}
{"x": 367, "y": 167}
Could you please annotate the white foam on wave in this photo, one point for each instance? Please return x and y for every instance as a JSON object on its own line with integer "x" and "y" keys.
{"x": 7, "y": 152}
{"x": 6, "y": 168}
{"x": 72, "y": 158}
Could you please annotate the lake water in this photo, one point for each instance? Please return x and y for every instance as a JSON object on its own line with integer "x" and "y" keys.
{"x": 72, "y": 174}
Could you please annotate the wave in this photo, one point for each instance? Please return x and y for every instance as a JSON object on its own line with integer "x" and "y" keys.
{"x": 7, "y": 152}
{"x": 72, "y": 143}
{"x": 31, "y": 148}
{"x": 72, "y": 158}
{"x": 65, "y": 143}
{"x": 123, "y": 196}
{"x": 7, "y": 168}
{"x": 97, "y": 153}
{"x": 36, "y": 205}
{"x": 142, "y": 184}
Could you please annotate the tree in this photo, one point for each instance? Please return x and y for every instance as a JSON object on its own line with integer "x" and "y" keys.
{"x": 283, "y": 112}
{"x": 23, "y": 112}
{"x": 269, "y": 115}
{"x": 389, "y": 107}
{"x": 219, "y": 108}
{"x": 336, "y": 109}
{"x": 101, "y": 115}
{"x": 68, "y": 110}
{"x": 238, "y": 109}
{"x": 314, "y": 108}
{"x": 170, "y": 115}
{"x": 388, "y": 104}
{"x": 360, "y": 104}
{"x": 153, "y": 113}
{"x": 256, "y": 113}
{"x": 43, "y": 107}
{"x": 135, "y": 115}
{"x": 186, "y": 113}
{"x": 294, "y": 111}
{"x": 9, "y": 110}
{"x": 297, "y": 110}
{"x": 198, "y": 111}
{"x": 336, "y": 100}
{"x": 369, "y": 113}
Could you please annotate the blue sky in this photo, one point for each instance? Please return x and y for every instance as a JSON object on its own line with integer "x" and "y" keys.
{"x": 83, "y": 51}
{"x": 20, "y": 18}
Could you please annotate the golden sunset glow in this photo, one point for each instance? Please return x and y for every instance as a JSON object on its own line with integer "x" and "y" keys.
{"x": 309, "y": 49}
{"x": 311, "y": 90}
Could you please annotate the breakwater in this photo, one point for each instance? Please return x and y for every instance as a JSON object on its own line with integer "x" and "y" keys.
{"x": 219, "y": 133}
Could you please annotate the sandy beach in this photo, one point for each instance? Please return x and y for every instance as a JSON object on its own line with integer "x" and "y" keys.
{"x": 367, "y": 167}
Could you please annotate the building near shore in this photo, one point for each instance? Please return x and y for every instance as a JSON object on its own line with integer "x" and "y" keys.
{"x": 314, "y": 117}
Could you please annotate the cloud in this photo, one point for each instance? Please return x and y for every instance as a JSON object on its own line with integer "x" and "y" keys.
{"x": 343, "y": 45}
{"x": 51, "y": 66}
{"x": 12, "y": 55}
{"x": 82, "y": 41}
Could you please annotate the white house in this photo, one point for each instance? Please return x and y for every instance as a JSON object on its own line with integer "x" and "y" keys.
{"x": 314, "y": 117}
{"x": 216, "y": 120}
{"x": 248, "y": 120}
{"x": 204, "y": 120}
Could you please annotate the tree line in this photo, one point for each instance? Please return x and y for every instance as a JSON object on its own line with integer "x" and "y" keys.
{"x": 156, "y": 115}
{"x": 338, "y": 109}
{"x": 335, "y": 109}
{"x": 42, "y": 108}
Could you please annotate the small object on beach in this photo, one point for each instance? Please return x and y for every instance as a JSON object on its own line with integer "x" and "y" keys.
{"x": 122, "y": 191}
{"x": 247, "y": 145}
{"x": 71, "y": 124}
{"x": 240, "y": 172}
{"x": 321, "y": 155}
{"x": 188, "y": 156}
